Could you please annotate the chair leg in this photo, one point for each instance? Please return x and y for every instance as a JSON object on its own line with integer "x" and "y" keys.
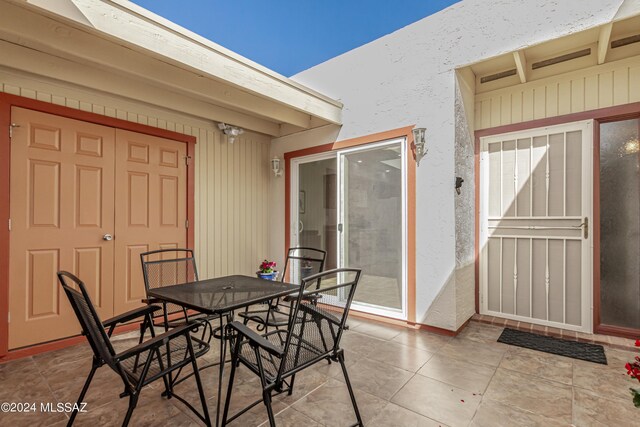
{"x": 266, "y": 398}
{"x": 227, "y": 399}
{"x": 94, "y": 368}
{"x": 196, "y": 373}
{"x": 353, "y": 397}
{"x": 293, "y": 378}
{"x": 133, "y": 401}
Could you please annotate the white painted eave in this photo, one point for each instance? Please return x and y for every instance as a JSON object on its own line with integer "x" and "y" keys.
{"x": 150, "y": 35}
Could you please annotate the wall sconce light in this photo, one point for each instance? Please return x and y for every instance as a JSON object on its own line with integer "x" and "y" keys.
{"x": 232, "y": 132}
{"x": 419, "y": 144}
{"x": 275, "y": 166}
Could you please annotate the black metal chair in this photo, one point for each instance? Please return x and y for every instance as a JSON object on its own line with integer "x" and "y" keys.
{"x": 142, "y": 364}
{"x": 179, "y": 267}
{"x": 301, "y": 262}
{"x": 313, "y": 334}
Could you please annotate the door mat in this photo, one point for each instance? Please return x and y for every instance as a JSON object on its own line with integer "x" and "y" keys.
{"x": 576, "y": 350}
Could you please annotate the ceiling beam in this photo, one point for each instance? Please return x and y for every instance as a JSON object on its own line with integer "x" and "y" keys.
{"x": 97, "y": 80}
{"x": 521, "y": 65}
{"x": 603, "y": 42}
{"x": 39, "y": 32}
{"x": 148, "y": 35}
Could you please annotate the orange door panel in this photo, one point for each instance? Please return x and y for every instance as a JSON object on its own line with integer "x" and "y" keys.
{"x": 151, "y": 207}
{"x": 62, "y": 204}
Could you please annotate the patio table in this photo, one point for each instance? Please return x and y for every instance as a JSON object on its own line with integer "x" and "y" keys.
{"x": 220, "y": 297}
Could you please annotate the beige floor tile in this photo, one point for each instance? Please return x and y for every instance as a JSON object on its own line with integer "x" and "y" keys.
{"x": 377, "y": 378}
{"x": 438, "y": 401}
{"x": 330, "y": 405}
{"x": 400, "y": 356}
{"x": 550, "y": 399}
{"x": 609, "y": 381}
{"x": 590, "y": 410}
{"x": 305, "y": 382}
{"x": 358, "y": 343}
{"x": 473, "y": 378}
{"x": 379, "y": 330}
{"x": 473, "y": 352}
{"x": 292, "y": 418}
{"x": 495, "y": 414}
{"x": 396, "y": 416}
{"x": 539, "y": 364}
{"x": 481, "y": 332}
{"x": 421, "y": 339}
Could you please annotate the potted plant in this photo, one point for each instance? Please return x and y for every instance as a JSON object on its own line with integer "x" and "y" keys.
{"x": 633, "y": 370}
{"x": 267, "y": 270}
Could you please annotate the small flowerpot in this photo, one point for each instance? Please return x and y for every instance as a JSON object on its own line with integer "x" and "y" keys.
{"x": 267, "y": 276}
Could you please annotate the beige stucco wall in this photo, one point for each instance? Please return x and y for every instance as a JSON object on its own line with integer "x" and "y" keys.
{"x": 232, "y": 180}
{"x": 606, "y": 85}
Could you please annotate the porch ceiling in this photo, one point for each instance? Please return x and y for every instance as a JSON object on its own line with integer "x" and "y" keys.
{"x": 609, "y": 42}
{"x": 122, "y": 38}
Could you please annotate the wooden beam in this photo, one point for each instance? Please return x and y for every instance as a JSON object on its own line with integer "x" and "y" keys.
{"x": 521, "y": 65}
{"x": 102, "y": 82}
{"x": 44, "y": 34}
{"x": 147, "y": 35}
{"x": 603, "y": 42}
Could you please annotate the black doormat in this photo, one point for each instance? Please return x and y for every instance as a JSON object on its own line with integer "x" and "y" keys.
{"x": 576, "y": 350}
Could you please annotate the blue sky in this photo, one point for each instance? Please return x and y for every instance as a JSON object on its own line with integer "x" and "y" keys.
{"x": 289, "y": 36}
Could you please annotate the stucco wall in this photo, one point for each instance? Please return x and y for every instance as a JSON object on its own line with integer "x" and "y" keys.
{"x": 408, "y": 78}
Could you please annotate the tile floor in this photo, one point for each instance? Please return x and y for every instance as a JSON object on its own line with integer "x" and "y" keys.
{"x": 402, "y": 377}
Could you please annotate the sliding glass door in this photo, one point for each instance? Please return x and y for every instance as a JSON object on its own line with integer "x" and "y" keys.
{"x": 351, "y": 203}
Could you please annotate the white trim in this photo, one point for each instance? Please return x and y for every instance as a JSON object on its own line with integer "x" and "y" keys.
{"x": 587, "y": 209}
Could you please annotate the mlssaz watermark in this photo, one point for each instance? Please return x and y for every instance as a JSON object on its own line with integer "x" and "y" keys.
{"x": 48, "y": 407}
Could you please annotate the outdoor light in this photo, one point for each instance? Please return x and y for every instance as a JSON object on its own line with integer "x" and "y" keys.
{"x": 275, "y": 166}
{"x": 231, "y": 131}
{"x": 419, "y": 144}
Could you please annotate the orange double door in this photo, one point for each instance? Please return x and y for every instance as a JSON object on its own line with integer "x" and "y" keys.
{"x": 88, "y": 199}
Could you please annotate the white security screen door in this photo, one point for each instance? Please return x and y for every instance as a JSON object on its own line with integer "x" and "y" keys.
{"x": 535, "y": 212}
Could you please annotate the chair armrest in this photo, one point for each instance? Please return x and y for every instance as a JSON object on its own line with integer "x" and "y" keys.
{"x": 255, "y": 338}
{"x": 313, "y": 298}
{"x": 151, "y": 300}
{"x": 131, "y": 315}
{"x": 154, "y": 342}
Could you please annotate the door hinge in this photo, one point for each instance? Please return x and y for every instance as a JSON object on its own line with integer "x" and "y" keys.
{"x": 9, "y": 224}
{"x": 186, "y": 223}
{"x": 340, "y": 228}
{"x": 187, "y": 160}
{"x": 11, "y": 126}
{"x": 585, "y": 226}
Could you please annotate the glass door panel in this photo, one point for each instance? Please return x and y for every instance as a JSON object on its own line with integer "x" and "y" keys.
{"x": 372, "y": 224}
{"x": 316, "y": 211}
{"x": 620, "y": 223}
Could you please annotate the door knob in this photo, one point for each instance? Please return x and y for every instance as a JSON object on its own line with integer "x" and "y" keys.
{"x": 107, "y": 237}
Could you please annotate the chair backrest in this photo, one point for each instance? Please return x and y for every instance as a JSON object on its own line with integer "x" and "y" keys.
{"x": 303, "y": 262}
{"x": 88, "y": 318}
{"x": 319, "y": 317}
{"x": 166, "y": 267}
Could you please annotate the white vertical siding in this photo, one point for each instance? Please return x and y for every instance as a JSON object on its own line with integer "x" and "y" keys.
{"x": 616, "y": 83}
{"x": 231, "y": 180}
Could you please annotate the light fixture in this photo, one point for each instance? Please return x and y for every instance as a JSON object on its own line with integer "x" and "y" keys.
{"x": 419, "y": 144}
{"x": 231, "y": 131}
{"x": 275, "y": 166}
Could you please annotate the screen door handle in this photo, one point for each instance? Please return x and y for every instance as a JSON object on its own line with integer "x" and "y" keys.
{"x": 585, "y": 227}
